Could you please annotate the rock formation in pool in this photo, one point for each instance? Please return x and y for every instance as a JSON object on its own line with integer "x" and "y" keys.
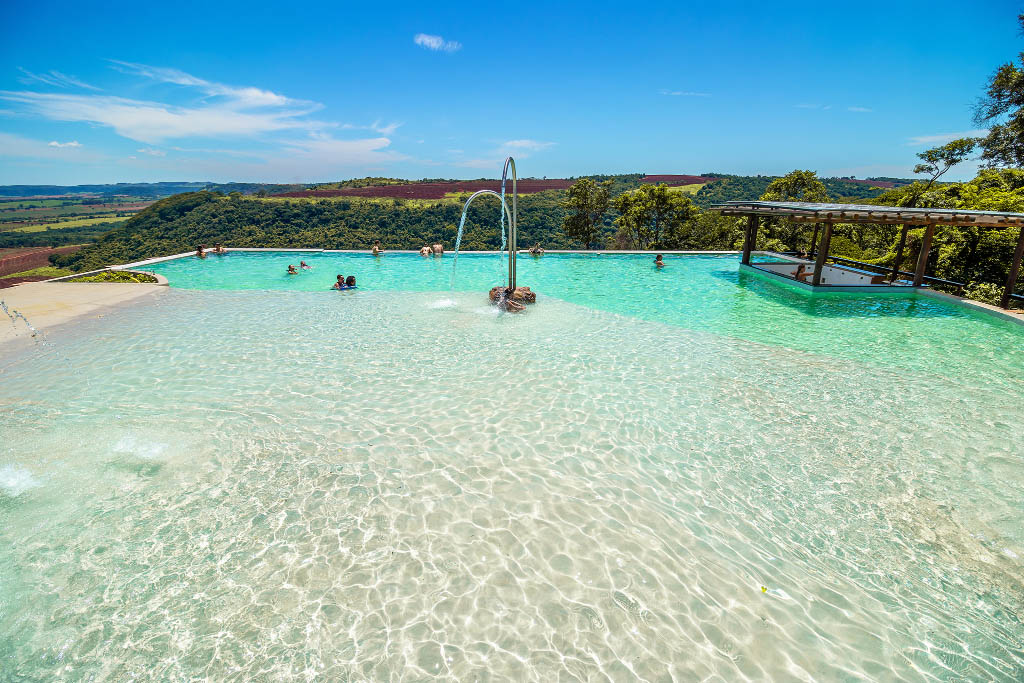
{"x": 512, "y": 300}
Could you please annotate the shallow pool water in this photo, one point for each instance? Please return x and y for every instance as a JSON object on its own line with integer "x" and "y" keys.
{"x": 690, "y": 475}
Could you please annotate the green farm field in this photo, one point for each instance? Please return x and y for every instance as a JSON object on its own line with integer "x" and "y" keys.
{"x": 59, "y": 225}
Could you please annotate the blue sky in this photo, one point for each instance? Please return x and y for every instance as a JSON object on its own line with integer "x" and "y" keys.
{"x": 301, "y": 92}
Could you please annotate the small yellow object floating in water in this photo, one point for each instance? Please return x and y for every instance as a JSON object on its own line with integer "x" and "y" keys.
{"x": 764, "y": 589}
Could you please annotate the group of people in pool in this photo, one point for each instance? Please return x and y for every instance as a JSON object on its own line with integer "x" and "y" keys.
{"x": 217, "y": 249}
{"x": 302, "y": 264}
{"x": 341, "y": 283}
{"x": 376, "y": 250}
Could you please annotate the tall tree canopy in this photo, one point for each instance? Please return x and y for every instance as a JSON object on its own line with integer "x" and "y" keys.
{"x": 586, "y": 203}
{"x": 653, "y": 216}
{"x": 796, "y": 186}
{"x": 1002, "y": 110}
{"x": 800, "y": 186}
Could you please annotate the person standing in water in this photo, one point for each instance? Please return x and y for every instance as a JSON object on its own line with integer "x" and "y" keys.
{"x": 377, "y": 250}
{"x": 438, "y": 249}
{"x": 340, "y": 284}
{"x": 658, "y": 263}
{"x": 291, "y": 270}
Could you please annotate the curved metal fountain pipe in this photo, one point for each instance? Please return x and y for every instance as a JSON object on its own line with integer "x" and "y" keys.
{"x": 479, "y": 192}
{"x": 512, "y": 221}
{"x": 462, "y": 223}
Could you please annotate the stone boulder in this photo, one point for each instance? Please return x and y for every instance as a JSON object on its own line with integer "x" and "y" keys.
{"x": 521, "y": 295}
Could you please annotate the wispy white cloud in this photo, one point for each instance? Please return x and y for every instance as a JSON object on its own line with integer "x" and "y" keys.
{"x": 523, "y": 146}
{"x": 324, "y": 147}
{"x": 376, "y": 127}
{"x": 54, "y": 78}
{"x": 154, "y": 122}
{"x": 683, "y": 93}
{"x": 520, "y": 149}
{"x": 21, "y": 147}
{"x": 943, "y": 138}
{"x": 244, "y": 97}
{"x": 282, "y": 139}
{"x": 860, "y": 110}
{"x": 436, "y": 43}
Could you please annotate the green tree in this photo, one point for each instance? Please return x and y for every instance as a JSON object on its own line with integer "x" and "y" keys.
{"x": 795, "y": 186}
{"x": 1002, "y": 110}
{"x": 935, "y": 162}
{"x": 587, "y": 203}
{"x": 653, "y": 216}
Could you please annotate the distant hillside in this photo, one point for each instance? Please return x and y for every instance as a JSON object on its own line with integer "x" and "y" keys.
{"x": 428, "y": 190}
{"x": 677, "y": 180}
{"x": 155, "y": 190}
{"x": 731, "y": 188}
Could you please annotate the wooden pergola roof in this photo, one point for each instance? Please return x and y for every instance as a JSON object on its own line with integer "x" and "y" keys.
{"x": 827, "y": 215}
{"x": 813, "y": 212}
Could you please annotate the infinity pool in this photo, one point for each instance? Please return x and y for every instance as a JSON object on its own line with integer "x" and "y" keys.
{"x": 687, "y": 473}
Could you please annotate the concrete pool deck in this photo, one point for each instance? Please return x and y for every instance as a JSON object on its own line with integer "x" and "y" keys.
{"x": 48, "y": 304}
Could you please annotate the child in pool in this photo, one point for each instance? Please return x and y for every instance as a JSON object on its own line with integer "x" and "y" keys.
{"x": 350, "y": 282}
{"x": 658, "y": 263}
{"x": 291, "y": 270}
{"x": 305, "y": 266}
{"x": 340, "y": 284}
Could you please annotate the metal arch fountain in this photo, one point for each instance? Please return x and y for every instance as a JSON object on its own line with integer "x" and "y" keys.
{"x": 508, "y": 298}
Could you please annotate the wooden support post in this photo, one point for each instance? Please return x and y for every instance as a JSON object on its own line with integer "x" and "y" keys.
{"x": 819, "y": 262}
{"x": 922, "y": 257}
{"x": 899, "y": 253}
{"x": 750, "y": 238}
{"x": 1011, "y": 280}
{"x": 814, "y": 239}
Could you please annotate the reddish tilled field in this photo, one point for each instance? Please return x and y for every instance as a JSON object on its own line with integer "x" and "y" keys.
{"x": 17, "y": 260}
{"x": 676, "y": 180}
{"x": 433, "y": 190}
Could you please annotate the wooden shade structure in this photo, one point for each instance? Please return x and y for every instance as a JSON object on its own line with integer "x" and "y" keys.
{"x": 824, "y": 215}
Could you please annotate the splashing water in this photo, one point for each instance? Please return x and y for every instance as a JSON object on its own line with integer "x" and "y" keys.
{"x": 15, "y": 316}
{"x": 504, "y": 213}
{"x": 14, "y": 481}
{"x": 462, "y": 225}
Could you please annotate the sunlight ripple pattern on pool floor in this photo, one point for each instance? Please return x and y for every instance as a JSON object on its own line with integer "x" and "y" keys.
{"x": 274, "y": 485}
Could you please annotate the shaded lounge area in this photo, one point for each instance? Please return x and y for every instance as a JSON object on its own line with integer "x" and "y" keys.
{"x": 822, "y": 271}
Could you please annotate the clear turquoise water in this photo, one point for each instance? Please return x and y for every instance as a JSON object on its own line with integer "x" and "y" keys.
{"x": 705, "y": 293}
{"x": 648, "y": 481}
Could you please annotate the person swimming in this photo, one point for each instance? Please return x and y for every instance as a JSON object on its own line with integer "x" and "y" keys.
{"x": 305, "y": 266}
{"x": 350, "y": 282}
{"x": 340, "y": 284}
{"x": 658, "y": 263}
{"x": 291, "y": 270}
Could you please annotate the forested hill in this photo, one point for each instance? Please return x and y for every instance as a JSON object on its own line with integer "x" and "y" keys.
{"x": 728, "y": 188}
{"x": 141, "y": 190}
{"x": 180, "y": 222}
